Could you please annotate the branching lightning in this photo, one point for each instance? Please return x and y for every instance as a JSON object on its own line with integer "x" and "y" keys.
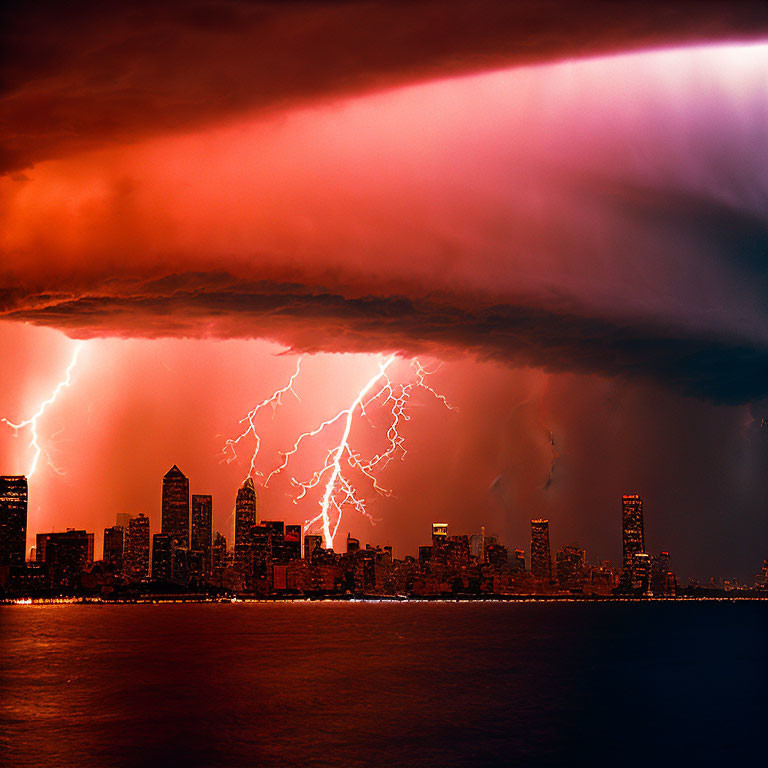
{"x": 32, "y": 421}
{"x": 342, "y": 461}
{"x": 274, "y": 400}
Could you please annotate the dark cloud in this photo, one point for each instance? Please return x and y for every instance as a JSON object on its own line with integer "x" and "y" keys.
{"x": 719, "y": 368}
{"x": 82, "y": 74}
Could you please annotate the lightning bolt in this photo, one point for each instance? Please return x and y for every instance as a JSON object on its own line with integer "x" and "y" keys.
{"x": 275, "y": 400}
{"x": 339, "y": 490}
{"x": 32, "y": 421}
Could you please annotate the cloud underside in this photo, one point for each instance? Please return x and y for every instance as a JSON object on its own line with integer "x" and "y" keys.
{"x": 720, "y": 369}
{"x": 79, "y": 75}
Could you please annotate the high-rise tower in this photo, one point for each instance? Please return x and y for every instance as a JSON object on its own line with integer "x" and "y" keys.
{"x": 246, "y": 511}
{"x": 246, "y": 516}
{"x": 176, "y": 507}
{"x": 541, "y": 558}
{"x": 13, "y": 519}
{"x": 633, "y": 536}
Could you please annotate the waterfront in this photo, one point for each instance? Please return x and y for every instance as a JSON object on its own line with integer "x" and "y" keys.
{"x": 432, "y": 684}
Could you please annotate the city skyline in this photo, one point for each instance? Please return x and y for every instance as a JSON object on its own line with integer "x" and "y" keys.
{"x": 187, "y": 527}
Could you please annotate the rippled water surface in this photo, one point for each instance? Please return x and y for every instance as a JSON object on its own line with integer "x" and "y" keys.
{"x": 367, "y": 684}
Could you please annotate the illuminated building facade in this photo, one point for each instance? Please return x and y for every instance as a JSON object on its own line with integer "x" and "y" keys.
{"x": 202, "y": 530}
{"x": 541, "y": 558}
{"x": 13, "y": 519}
{"x": 175, "y": 507}
{"x": 114, "y": 541}
{"x": 246, "y": 516}
{"x": 633, "y": 535}
{"x": 136, "y": 553}
{"x": 641, "y": 572}
{"x": 439, "y": 534}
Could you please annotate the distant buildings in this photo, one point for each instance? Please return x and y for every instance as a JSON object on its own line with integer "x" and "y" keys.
{"x": 13, "y": 519}
{"x": 541, "y": 558}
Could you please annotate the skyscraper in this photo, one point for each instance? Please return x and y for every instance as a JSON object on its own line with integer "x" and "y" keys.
{"x": 246, "y": 511}
{"x": 202, "y": 529}
{"x": 633, "y": 537}
{"x": 246, "y": 517}
{"x": 13, "y": 519}
{"x": 136, "y": 556}
{"x": 175, "y": 507}
{"x": 541, "y": 559}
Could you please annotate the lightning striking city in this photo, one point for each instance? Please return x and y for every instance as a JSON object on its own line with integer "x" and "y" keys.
{"x": 32, "y": 421}
{"x": 342, "y": 461}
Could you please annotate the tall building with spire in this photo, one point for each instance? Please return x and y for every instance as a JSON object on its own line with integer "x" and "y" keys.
{"x": 246, "y": 511}
{"x": 246, "y": 516}
{"x": 175, "y": 507}
{"x": 13, "y": 519}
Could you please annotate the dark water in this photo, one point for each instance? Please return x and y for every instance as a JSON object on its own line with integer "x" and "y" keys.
{"x": 329, "y": 684}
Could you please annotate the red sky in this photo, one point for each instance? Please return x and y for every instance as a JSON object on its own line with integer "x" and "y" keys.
{"x": 580, "y": 241}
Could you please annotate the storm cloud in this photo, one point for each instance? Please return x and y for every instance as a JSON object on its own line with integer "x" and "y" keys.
{"x": 723, "y": 369}
{"x": 86, "y": 74}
